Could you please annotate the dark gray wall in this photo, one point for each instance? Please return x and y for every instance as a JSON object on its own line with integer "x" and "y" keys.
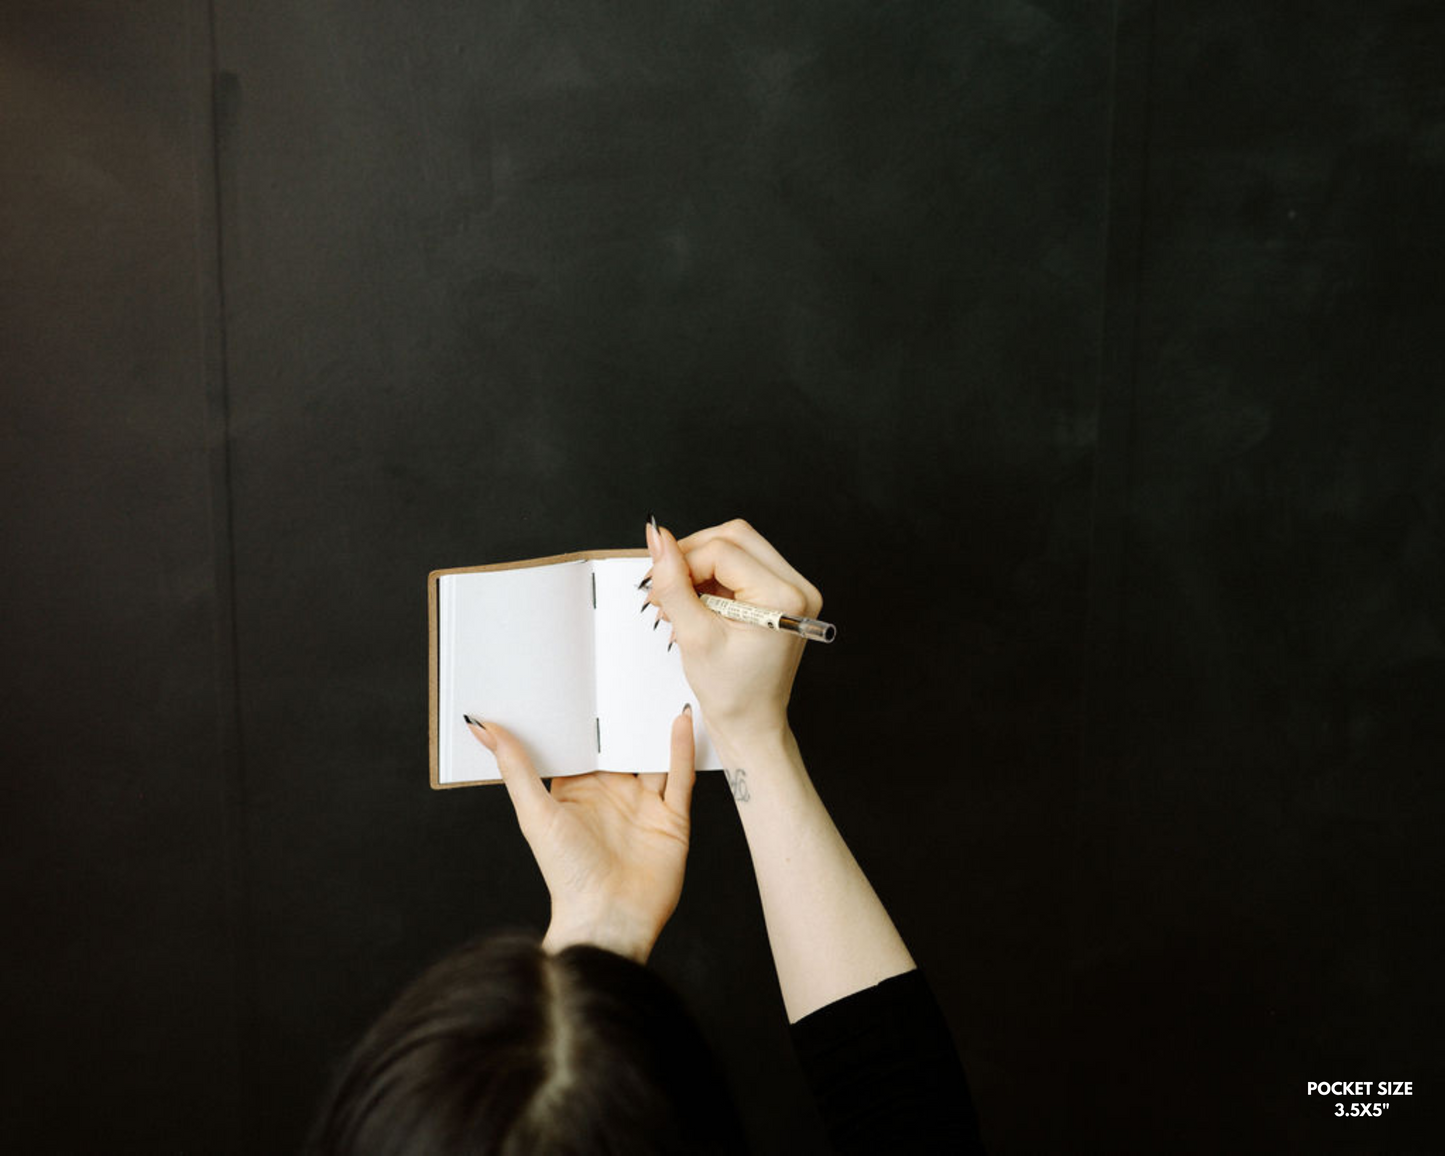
{"x": 1107, "y": 336}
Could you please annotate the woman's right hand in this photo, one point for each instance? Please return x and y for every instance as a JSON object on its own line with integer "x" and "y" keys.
{"x": 829, "y": 933}
{"x": 742, "y": 675}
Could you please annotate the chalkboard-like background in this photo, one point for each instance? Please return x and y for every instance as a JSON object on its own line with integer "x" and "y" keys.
{"x": 1106, "y": 338}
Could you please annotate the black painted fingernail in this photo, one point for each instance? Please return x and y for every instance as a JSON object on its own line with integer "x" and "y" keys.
{"x": 655, "y": 621}
{"x": 669, "y": 645}
{"x": 474, "y": 722}
{"x": 687, "y": 709}
{"x": 644, "y": 606}
{"x": 646, "y": 583}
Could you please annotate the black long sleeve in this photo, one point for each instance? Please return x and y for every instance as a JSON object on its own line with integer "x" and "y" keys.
{"x": 885, "y": 1073}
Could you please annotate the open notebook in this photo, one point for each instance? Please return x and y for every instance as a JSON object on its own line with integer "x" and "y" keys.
{"x": 558, "y": 651}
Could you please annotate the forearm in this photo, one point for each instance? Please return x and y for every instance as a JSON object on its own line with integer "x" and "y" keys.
{"x": 830, "y": 935}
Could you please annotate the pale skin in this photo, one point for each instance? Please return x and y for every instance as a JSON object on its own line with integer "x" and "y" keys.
{"x": 612, "y": 847}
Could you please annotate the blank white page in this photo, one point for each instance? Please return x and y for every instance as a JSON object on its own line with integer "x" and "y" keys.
{"x": 640, "y": 685}
{"x": 516, "y": 646}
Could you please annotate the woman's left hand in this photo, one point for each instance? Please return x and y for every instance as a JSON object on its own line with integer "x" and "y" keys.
{"x": 612, "y": 847}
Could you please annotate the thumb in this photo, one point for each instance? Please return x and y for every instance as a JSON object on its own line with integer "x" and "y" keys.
{"x": 530, "y": 798}
{"x": 672, "y": 586}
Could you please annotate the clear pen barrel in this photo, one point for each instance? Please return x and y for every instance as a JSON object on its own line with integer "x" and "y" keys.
{"x": 809, "y": 628}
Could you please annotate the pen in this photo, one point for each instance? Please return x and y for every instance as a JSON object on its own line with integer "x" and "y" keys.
{"x": 770, "y": 619}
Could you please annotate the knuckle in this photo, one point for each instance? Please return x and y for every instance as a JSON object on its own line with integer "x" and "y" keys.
{"x": 737, "y": 526}
{"x": 793, "y": 601}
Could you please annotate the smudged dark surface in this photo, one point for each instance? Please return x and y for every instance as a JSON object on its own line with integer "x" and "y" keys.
{"x": 1111, "y": 345}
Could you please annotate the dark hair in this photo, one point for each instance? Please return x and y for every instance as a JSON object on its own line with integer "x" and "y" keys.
{"x": 502, "y": 1048}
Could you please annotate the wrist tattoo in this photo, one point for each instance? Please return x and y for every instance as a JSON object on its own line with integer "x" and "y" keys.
{"x": 737, "y": 783}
